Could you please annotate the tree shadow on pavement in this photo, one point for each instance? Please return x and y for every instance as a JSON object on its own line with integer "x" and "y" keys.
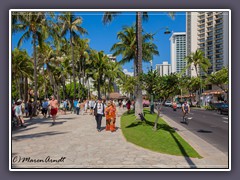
{"x": 21, "y": 129}
{"x": 164, "y": 127}
{"x": 37, "y": 135}
{"x": 184, "y": 153}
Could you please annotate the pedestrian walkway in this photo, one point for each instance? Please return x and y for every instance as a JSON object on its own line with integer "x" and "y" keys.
{"x": 73, "y": 142}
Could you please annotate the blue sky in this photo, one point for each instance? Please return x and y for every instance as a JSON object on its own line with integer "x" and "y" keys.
{"x": 102, "y": 37}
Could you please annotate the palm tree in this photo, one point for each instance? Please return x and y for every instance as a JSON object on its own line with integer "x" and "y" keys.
{"x": 113, "y": 72}
{"x": 99, "y": 63}
{"x": 128, "y": 48}
{"x": 22, "y": 68}
{"x": 127, "y": 84}
{"x": 107, "y": 18}
{"x": 82, "y": 55}
{"x": 70, "y": 23}
{"x": 198, "y": 60}
{"x": 34, "y": 25}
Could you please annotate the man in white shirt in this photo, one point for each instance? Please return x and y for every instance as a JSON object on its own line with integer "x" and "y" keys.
{"x": 99, "y": 108}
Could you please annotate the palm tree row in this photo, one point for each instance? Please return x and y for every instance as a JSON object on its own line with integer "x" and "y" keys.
{"x": 57, "y": 59}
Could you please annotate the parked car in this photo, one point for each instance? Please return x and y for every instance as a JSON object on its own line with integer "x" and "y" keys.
{"x": 168, "y": 103}
{"x": 146, "y": 103}
{"x": 223, "y": 109}
{"x": 179, "y": 105}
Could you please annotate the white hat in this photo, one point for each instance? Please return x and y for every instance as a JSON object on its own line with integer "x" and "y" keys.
{"x": 19, "y": 100}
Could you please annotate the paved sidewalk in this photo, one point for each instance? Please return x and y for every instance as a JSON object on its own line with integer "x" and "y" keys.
{"x": 73, "y": 142}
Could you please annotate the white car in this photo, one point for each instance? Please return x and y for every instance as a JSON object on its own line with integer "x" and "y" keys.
{"x": 179, "y": 105}
{"x": 168, "y": 103}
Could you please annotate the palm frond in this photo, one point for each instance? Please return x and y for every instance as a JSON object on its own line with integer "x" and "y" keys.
{"x": 109, "y": 16}
{"x": 24, "y": 37}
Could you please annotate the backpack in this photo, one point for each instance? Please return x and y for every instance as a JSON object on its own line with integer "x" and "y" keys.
{"x": 95, "y": 109}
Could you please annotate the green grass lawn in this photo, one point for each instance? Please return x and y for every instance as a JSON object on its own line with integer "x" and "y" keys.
{"x": 164, "y": 140}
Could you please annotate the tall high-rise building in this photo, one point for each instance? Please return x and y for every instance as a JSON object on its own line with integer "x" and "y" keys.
{"x": 208, "y": 31}
{"x": 178, "y": 51}
{"x": 164, "y": 68}
{"x": 112, "y": 58}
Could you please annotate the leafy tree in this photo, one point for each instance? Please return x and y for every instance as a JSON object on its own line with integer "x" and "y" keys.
{"x": 220, "y": 79}
{"x": 165, "y": 87}
{"x": 149, "y": 81}
{"x": 127, "y": 84}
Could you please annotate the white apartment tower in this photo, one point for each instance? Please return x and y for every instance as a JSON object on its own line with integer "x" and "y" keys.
{"x": 208, "y": 31}
{"x": 164, "y": 68}
{"x": 178, "y": 51}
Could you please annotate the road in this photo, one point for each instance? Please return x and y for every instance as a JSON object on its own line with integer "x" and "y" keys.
{"x": 208, "y": 125}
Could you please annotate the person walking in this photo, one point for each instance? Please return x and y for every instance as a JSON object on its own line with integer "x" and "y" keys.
{"x": 99, "y": 112}
{"x": 65, "y": 104}
{"x": 86, "y": 106}
{"x": 30, "y": 109}
{"x": 49, "y": 108}
{"x": 91, "y": 103}
{"x": 45, "y": 108}
{"x": 18, "y": 113}
{"x": 108, "y": 116}
{"x": 128, "y": 105}
{"x": 78, "y": 107}
{"x": 54, "y": 109}
{"x": 75, "y": 102}
{"x": 113, "y": 112}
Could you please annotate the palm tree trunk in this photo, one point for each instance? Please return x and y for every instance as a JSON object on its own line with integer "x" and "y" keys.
{"x": 19, "y": 87}
{"x": 64, "y": 87}
{"x": 45, "y": 91}
{"x": 25, "y": 89}
{"x": 73, "y": 69}
{"x": 138, "y": 104}
{"x": 98, "y": 88}
{"x": 79, "y": 82}
{"x": 35, "y": 74}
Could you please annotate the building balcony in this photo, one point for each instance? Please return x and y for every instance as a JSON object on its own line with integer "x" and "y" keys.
{"x": 217, "y": 38}
{"x": 201, "y": 16}
{"x": 210, "y": 14}
{"x": 219, "y": 22}
{"x": 201, "y": 28}
{"x": 200, "y": 23}
{"x": 201, "y": 37}
{"x": 218, "y": 47}
{"x": 218, "y": 32}
{"x": 217, "y": 17}
{"x": 209, "y": 25}
{"x": 199, "y": 43}
{"x": 201, "y": 32}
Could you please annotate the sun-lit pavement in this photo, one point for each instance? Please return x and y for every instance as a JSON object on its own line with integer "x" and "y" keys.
{"x": 73, "y": 142}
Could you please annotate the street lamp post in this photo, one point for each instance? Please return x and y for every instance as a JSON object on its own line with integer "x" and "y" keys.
{"x": 152, "y": 104}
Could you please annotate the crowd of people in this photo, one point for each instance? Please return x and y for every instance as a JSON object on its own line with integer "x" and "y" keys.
{"x": 50, "y": 107}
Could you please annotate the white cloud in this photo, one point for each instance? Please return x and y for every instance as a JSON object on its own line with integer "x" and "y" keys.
{"x": 127, "y": 72}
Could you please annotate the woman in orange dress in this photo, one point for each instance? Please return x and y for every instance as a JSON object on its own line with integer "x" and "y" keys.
{"x": 108, "y": 116}
{"x": 113, "y": 117}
